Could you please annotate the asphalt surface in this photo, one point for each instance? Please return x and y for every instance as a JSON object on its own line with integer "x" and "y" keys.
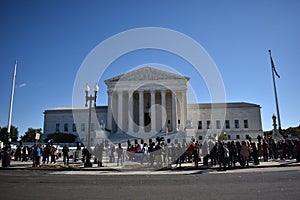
{"x": 266, "y": 183}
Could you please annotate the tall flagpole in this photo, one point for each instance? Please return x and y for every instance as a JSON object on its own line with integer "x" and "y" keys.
{"x": 275, "y": 91}
{"x": 11, "y": 100}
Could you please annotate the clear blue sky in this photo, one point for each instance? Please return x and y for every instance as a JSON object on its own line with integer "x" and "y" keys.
{"x": 50, "y": 39}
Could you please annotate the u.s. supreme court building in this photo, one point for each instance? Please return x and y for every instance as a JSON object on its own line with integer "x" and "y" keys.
{"x": 148, "y": 102}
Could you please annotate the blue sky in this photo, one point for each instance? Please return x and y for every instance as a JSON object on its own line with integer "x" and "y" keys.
{"x": 50, "y": 40}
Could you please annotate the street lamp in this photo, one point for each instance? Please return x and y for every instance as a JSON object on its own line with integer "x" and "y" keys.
{"x": 90, "y": 99}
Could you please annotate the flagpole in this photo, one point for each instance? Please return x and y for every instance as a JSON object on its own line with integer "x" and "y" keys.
{"x": 275, "y": 92}
{"x": 11, "y": 100}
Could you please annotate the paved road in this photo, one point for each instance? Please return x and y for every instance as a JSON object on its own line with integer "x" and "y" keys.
{"x": 269, "y": 183}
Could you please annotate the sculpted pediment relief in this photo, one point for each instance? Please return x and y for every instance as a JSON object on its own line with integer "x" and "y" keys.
{"x": 146, "y": 73}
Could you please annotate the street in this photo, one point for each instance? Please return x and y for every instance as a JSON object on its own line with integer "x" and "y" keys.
{"x": 266, "y": 183}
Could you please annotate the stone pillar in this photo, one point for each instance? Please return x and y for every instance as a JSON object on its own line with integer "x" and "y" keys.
{"x": 109, "y": 111}
{"x": 130, "y": 111}
{"x": 163, "y": 105}
{"x": 153, "y": 111}
{"x": 174, "y": 114}
{"x": 183, "y": 112}
{"x": 141, "y": 111}
{"x": 184, "y": 108}
{"x": 120, "y": 111}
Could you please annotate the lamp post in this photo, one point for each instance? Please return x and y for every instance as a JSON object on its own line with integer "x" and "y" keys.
{"x": 90, "y": 99}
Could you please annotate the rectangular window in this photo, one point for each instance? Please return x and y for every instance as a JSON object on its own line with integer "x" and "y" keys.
{"x": 82, "y": 127}
{"x": 246, "y": 125}
{"x": 57, "y": 127}
{"x": 200, "y": 137}
{"x": 208, "y": 124}
{"x": 218, "y": 124}
{"x": 227, "y": 124}
{"x": 179, "y": 121}
{"x": 236, "y": 124}
{"x": 66, "y": 128}
{"x": 229, "y": 137}
{"x": 199, "y": 124}
{"x": 74, "y": 127}
{"x": 237, "y": 137}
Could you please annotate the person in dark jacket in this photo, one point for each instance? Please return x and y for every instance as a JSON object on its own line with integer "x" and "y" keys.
{"x": 65, "y": 152}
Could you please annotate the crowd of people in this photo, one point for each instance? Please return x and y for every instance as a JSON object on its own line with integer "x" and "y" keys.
{"x": 228, "y": 154}
{"x": 38, "y": 154}
{"x": 225, "y": 154}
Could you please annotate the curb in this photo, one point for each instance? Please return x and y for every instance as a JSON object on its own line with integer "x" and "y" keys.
{"x": 183, "y": 168}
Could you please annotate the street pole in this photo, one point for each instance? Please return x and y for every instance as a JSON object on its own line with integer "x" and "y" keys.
{"x": 275, "y": 91}
{"x": 7, "y": 148}
{"x": 89, "y": 127}
{"x": 90, "y": 98}
{"x": 11, "y": 102}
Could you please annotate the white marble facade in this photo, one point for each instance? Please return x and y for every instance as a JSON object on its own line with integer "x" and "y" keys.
{"x": 148, "y": 101}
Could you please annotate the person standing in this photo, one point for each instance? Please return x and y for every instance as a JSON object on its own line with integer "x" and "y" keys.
{"x": 53, "y": 155}
{"x": 245, "y": 153}
{"x": 37, "y": 156}
{"x": 77, "y": 151}
{"x": 101, "y": 149}
{"x": 120, "y": 154}
{"x": 145, "y": 153}
{"x": 65, "y": 151}
{"x": 265, "y": 147}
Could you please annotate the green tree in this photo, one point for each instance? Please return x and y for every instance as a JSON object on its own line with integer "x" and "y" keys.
{"x": 61, "y": 137}
{"x": 14, "y": 134}
{"x": 223, "y": 136}
{"x": 295, "y": 131}
{"x": 30, "y": 134}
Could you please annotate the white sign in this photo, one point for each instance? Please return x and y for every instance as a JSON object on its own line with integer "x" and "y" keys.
{"x": 37, "y": 136}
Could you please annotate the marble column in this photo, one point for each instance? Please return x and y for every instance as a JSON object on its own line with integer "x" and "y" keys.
{"x": 183, "y": 111}
{"x": 174, "y": 114}
{"x": 153, "y": 111}
{"x": 184, "y": 108}
{"x": 109, "y": 111}
{"x": 130, "y": 111}
{"x": 120, "y": 111}
{"x": 141, "y": 111}
{"x": 163, "y": 105}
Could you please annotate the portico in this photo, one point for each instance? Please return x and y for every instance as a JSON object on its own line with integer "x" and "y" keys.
{"x": 147, "y": 100}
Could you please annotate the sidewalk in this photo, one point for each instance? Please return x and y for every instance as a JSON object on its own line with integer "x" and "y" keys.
{"x": 136, "y": 166}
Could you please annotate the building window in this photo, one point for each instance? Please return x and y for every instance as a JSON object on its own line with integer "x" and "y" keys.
{"x": 179, "y": 121}
{"x": 199, "y": 124}
{"x": 208, "y": 124}
{"x": 57, "y": 127}
{"x": 200, "y": 137}
{"x": 74, "y": 127}
{"x": 236, "y": 124}
{"x": 227, "y": 124}
{"x": 246, "y": 125}
{"x": 82, "y": 127}
{"x": 218, "y": 124}
{"x": 169, "y": 121}
{"x": 237, "y": 137}
{"x": 229, "y": 137}
{"x": 66, "y": 128}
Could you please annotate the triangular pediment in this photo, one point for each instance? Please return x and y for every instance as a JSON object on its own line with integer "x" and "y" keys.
{"x": 146, "y": 73}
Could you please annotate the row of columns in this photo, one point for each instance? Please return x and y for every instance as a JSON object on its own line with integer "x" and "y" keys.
{"x": 120, "y": 103}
